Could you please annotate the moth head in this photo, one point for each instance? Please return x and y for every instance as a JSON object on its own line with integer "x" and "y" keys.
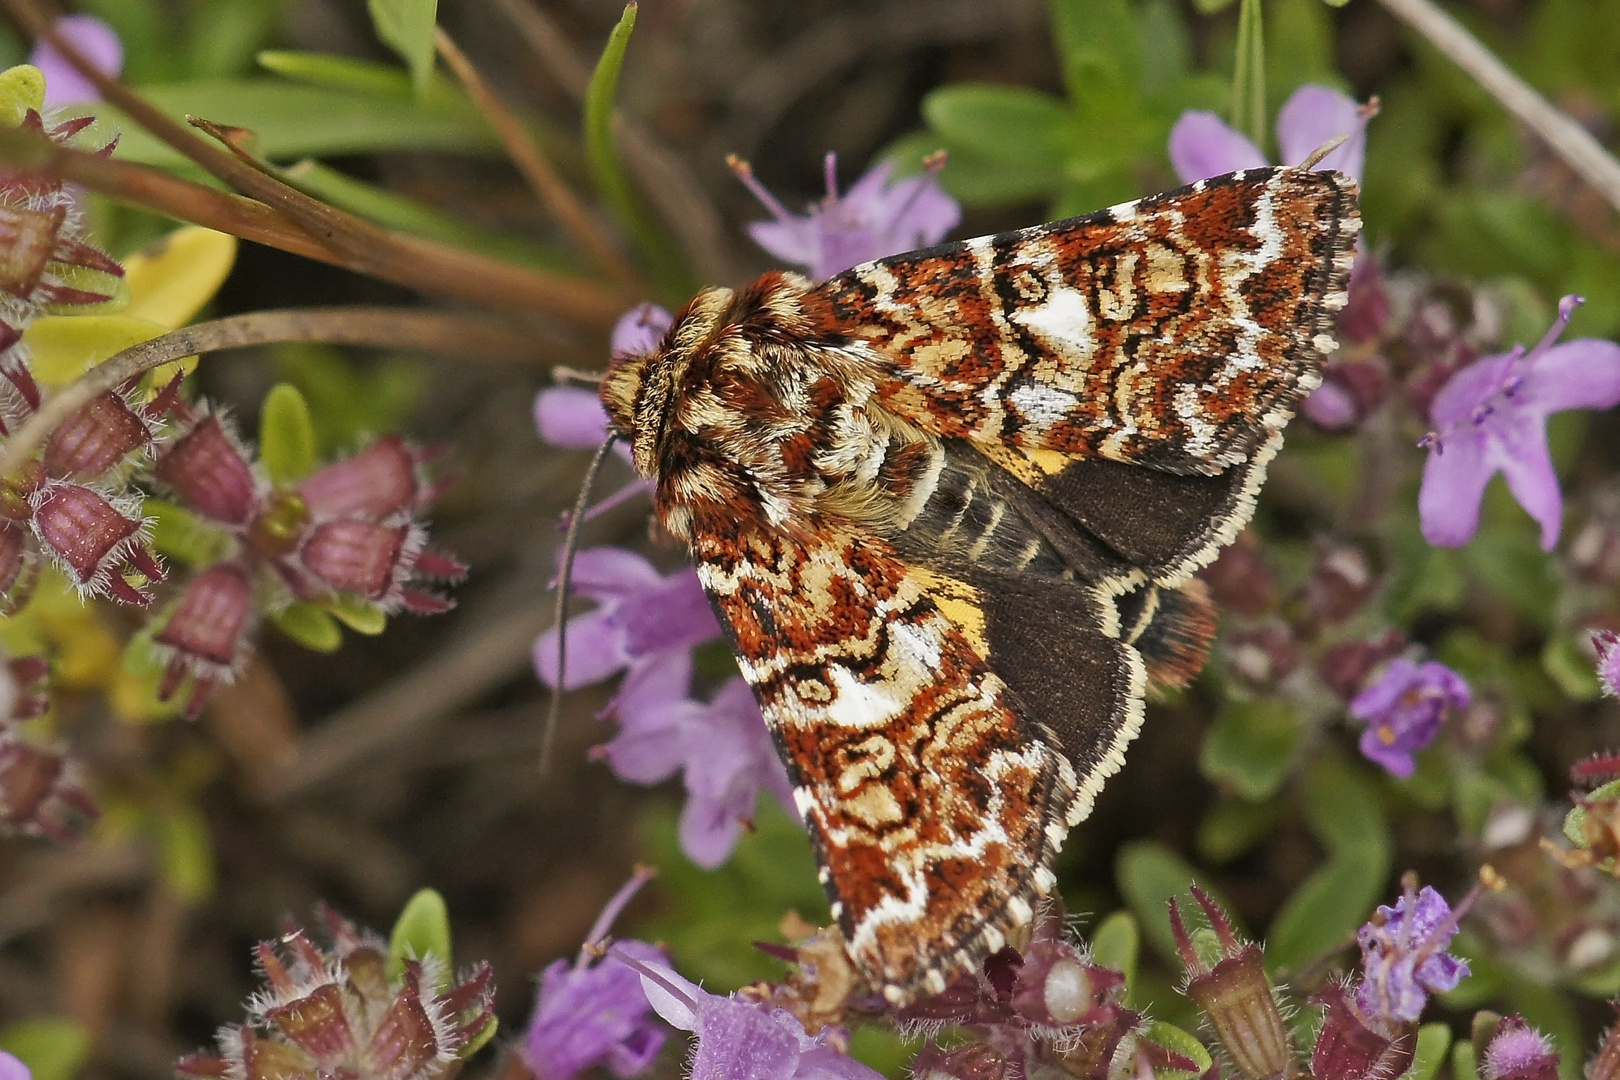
{"x": 638, "y": 391}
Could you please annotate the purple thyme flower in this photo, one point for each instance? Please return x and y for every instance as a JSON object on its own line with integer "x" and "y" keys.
{"x": 1202, "y": 145}
{"x": 873, "y": 219}
{"x": 739, "y": 1039}
{"x": 1607, "y": 644}
{"x": 723, "y": 747}
{"x": 1519, "y": 1052}
{"x": 641, "y": 615}
{"x": 594, "y": 1012}
{"x": 98, "y": 43}
{"x": 1403, "y": 711}
{"x": 1492, "y": 417}
{"x": 13, "y": 1069}
{"x": 1404, "y": 958}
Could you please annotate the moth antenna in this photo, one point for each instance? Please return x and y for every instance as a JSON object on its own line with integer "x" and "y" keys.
{"x": 567, "y": 376}
{"x": 1315, "y": 157}
{"x": 559, "y": 619}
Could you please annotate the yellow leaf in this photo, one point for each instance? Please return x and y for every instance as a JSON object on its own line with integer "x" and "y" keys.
{"x": 63, "y": 347}
{"x": 21, "y": 88}
{"x": 171, "y": 280}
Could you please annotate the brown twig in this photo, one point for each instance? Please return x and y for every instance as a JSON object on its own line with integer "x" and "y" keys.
{"x": 429, "y": 266}
{"x": 1568, "y": 139}
{"x": 381, "y": 327}
{"x": 426, "y": 265}
{"x": 531, "y": 161}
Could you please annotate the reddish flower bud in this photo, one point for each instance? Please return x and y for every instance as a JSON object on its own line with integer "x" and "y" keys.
{"x": 19, "y": 568}
{"x": 1340, "y": 583}
{"x": 1606, "y": 1066}
{"x": 94, "y": 541}
{"x": 41, "y": 791}
{"x": 27, "y": 240}
{"x": 1347, "y": 1049}
{"x": 1345, "y": 668}
{"x": 24, "y": 688}
{"x": 1235, "y": 996}
{"x": 376, "y": 483}
{"x": 335, "y": 1013}
{"x": 1240, "y": 579}
{"x": 210, "y": 473}
{"x": 358, "y": 557}
{"x": 95, "y": 439}
{"x": 206, "y": 635}
{"x": 975, "y": 1061}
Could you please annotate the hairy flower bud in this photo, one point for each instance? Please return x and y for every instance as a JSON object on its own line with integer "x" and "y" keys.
{"x": 1518, "y": 1051}
{"x": 41, "y": 791}
{"x": 95, "y": 541}
{"x": 1235, "y": 996}
{"x": 96, "y": 438}
{"x": 336, "y": 1013}
{"x": 206, "y": 634}
{"x": 210, "y": 473}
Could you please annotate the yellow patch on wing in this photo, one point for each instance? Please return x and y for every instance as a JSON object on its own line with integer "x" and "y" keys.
{"x": 957, "y": 601}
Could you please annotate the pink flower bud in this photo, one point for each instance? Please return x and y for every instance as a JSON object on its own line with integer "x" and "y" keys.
{"x": 358, "y": 557}
{"x": 376, "y": 483}
{"x": 95, "y": 439}
{"x": 210, "y": 474}
{"x": 94, "y": 541}
{"x": 41, "y": 792}
{"x": 206, "y": 635}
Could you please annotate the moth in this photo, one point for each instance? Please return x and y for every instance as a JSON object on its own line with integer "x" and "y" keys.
{"x": 949, "y": 505}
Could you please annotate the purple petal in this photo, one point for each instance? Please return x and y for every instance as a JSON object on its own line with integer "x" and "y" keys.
{"x": 1394, "y": 758}
{"x": 1332, "y": 406}
{"x": 640, "y": 329}
{"x": 613, "y": 573}
{"x": 1579, "y": 374}
{"x": 13, "y": 1069}
{"x": 570, "y": 416}
{"x": 795, "y": 240}
{"x": 709, "y": 830}
{"x": 1454, "y": 480}
{"x": 1202, "y": 145}
{"x": 679, "y": 1001}
{"x": 1314, "y": 115}
{"x": 1527, "y": 467}
{"x": 674, "y": 614}
{"x": 595, "y": 651}
{"x": 654, "y": 685}
{"x": 741, "y": 1041}
{"x": 655, "y": 746}
{"x": 825, "y": 1063}
{"x": 99, "y": 44}
{"x": 586, "y": 1014}
{"x": 1381, "y": 696}
{"x": 1471, "y": 388}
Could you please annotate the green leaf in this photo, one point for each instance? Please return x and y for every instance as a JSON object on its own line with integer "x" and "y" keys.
{"x": 361, "y": 616}
{"x": 1249, "y": 76}
{"x": 1250, "y": 746}
{"x": 1570, "y": 669}
{"x": 1321, "y": 916}
{"x": 1116, "y": 944}
{"x": 349, "y": 402}
{"x": 286, "y": 436}
{"x": 1463, "y": 1064}
{"x": 337, "y": 72}
{"x": 1099, "y": 41}
{"x": 1177, "y": 1041}
{"x": 1018, "y": 127}
{"x": 399, "y": 212}
{"x": 1433, "y": 1041}
{"x": 185, "y": 848}
{"x": 182, "y": 535}
{"x": 223, "y": 35}
{"x": 294, "y": 121}
{"x": 1343, "y": 811}
{"x": 602, "y": 153}
{"x": 1232, "y": 827}
{"x": 1149, "y": 875}
{"x": 309, "y": 626}
{"x": 406, "y": 26}
{"x": 478, "y": 1041}
{"x": 711, "y": 918}
{"x": 53, "y": 1047}
{"x": 422, "y": 928}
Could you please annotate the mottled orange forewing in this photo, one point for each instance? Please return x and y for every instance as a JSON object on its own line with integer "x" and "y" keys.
{"x": 948, "y": 505}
